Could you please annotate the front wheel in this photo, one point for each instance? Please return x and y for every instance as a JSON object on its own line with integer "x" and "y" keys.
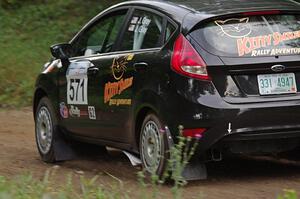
{"x": 153, "y": 146}
{"x": 45, "y": 130}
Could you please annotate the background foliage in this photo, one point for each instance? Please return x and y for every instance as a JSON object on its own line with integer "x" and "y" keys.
{"x": 27, "y": 29}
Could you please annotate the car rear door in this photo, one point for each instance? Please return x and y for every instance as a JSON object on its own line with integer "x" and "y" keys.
{"x": 138, "y": 50}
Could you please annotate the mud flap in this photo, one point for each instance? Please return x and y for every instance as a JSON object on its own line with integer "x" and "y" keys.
{"x": 195, "y": 170}
{"x": 63, "y": 150}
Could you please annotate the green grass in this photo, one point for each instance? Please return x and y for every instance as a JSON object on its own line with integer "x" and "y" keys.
{"x": 26, "y": 32}
{"x": 288, "y": 194}
{"x": 74, "y": 187}
{"x": 80, "y": 187}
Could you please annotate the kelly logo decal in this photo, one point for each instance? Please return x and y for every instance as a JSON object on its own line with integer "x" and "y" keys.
{"x": 252, "y": 45}
{"x": 74, "y": 111}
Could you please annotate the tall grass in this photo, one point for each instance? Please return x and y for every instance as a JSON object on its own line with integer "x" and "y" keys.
{"x": 27, "y": 187}
{"x": 180, "y": 155}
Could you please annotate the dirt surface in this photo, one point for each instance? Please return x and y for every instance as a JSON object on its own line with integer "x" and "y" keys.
{"x": 234, "y": 178}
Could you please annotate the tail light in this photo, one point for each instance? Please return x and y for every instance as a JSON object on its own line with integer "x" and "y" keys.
{"x": 187, "y": 61}
{"x": 194, "y": 133}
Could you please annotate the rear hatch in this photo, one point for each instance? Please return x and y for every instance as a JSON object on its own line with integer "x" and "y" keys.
{"x": 260, "y": 52}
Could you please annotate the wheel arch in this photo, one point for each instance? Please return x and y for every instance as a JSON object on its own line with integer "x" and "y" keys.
{"x": 149, "y": 102}
{"x": 139, "y": 119}
{"x": 38, "y": 95}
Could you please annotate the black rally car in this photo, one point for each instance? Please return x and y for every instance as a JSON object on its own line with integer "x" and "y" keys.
{"x": 227, "y": 70}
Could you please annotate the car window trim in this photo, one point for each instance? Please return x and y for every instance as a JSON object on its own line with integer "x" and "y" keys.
{"x": 116, "y": 53}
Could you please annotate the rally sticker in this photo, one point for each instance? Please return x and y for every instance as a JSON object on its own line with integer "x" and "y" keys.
{"x": 92, "y": 113}
{"x": 77, "y": 83}
{"x": 120, "y": 84}
{"x": 63, "y": 109}
{"x": 234, "y": 28}
{"x": 253, "y": 45}
{"x": 116, "y": 88}
{"x": 74, "y": 111}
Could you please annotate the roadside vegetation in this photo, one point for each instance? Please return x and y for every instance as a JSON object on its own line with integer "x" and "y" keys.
{"x": 26, "y": 186}
{"x": 27, "y": 30}
{"x": 77, "y": 186}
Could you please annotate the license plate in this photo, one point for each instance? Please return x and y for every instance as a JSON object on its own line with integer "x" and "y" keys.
{"x": 273, "y": 84}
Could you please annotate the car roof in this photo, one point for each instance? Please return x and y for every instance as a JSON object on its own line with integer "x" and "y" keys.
{"x": 221, "y": 7}
{"x": 188, "y": 13}
{"x": 217, "y": 7}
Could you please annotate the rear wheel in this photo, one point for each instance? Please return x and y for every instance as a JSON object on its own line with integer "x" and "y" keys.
{"x": 153, "y": 146}
{"x": 45, "y": 130}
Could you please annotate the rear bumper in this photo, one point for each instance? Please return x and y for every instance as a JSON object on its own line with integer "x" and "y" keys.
{"x": 268, "y": 127}
{"x": 266, "y": 134}
{"x": 252, "y": 134}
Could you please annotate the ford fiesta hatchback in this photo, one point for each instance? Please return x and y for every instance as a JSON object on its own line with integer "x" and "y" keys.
{"x": 226, "y": 70}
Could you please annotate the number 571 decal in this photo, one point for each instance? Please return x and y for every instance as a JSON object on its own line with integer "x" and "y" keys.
{"x": 77, "y": 83}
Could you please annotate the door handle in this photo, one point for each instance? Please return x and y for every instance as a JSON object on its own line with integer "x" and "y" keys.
{"x": 140, "y": 66}
{"x": 93, "y": 71}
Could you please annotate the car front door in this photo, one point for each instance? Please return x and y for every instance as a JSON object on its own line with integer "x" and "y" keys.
{"x": 82, "y": 81}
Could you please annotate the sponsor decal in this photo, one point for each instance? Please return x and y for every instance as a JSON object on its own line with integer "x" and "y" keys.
{"x": 251, "y": 45}
{"x": 139, "y": 25}
{"x": 116, "y": 88}
{"x": 119, "y": 66}
{"x": 74, "y": 111}
{"x": 63, "y": 109}
{"x": 119, "y": 102}
{"x": 77, "y": 81}
{"x": 235, "y": 27}
{"x": 92, "y": 112}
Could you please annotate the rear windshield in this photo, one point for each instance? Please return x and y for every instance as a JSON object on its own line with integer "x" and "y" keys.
{"x": 271, "y": 35}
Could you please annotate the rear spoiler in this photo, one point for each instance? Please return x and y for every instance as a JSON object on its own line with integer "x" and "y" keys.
{"x": 195, "y": 19}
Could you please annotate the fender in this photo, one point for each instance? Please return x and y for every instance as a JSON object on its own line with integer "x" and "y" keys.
{"x": 46, "y": 85}
{"x": 145, "y": 101}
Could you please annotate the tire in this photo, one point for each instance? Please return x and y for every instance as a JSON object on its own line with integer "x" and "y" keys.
{"x": 153, "y": 146}
{"x": 46, "y": 130}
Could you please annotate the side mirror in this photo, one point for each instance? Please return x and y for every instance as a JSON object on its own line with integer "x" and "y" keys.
{"x": 62, "y": 52}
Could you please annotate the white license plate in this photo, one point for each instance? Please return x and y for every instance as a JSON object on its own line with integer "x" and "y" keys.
{"x": 272, "y": 84}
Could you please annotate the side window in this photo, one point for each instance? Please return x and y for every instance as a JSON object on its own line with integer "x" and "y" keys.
{"x": 144, "y": 31}
{"x": 169, "y": 31}
{"x": 100, "y": 37}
